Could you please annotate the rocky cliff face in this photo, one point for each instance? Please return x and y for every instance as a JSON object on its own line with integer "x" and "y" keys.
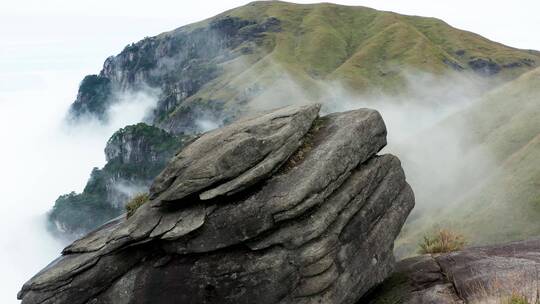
{"x": 285, "y": 207}
{"x": 179, "y": 63}
{"x": 135, "y": 155}
{"x": 505, "y": 273}
{"x": 139, "y": 144}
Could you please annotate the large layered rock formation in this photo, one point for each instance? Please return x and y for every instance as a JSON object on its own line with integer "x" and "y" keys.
{"x": 507, "y": 273}
{"x": 284, "y": 207}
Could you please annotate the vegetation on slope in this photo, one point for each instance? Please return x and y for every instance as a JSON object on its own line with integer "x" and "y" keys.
{"x": 136, "y": 202}
{"x": 135, "y": 155}
{"x": 442, "y": 241}
{"x": 253, "y": 55}
{"x": 93, "y": 96}
{"x": 502, "y": 204}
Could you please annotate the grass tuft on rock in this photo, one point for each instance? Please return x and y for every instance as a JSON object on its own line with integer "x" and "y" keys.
{"x": 136, "y": 202}
{"x": 442, "y": 241}
{"x": 307, "y": 145}
{"x": 516, "y": 299}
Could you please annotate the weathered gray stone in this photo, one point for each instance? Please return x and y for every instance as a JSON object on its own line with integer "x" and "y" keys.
{"x": 308, "y": 215}
{"x": 95, "y": 240}
{"x": 493, "y": 272}
{"x": 416, "y": 280}
{"x": 230, "y": 159}
{"x": 488, "y": 274}
{"x": 339, "y": 145}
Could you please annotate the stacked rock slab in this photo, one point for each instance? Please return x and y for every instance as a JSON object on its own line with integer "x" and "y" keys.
{"x": 284, "y": 207}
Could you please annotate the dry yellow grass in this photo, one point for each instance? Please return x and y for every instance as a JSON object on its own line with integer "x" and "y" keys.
{"x": 442, "y": 241}
{"x": 136, "y": 202}
{"x": 516, "y": 298}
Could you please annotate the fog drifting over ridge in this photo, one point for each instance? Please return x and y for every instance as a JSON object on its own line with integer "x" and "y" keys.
{"x": 47, "y": 157}
{"x": 439, "y": 160}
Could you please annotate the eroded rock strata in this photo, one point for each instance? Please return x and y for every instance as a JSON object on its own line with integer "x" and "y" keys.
{"x": 284, "y": 207}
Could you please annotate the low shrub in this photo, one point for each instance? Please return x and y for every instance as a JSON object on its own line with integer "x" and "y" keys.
{"x": 136, "y": 202}
{"x": 442, "y": 241}
{"x": 516, "y": 299}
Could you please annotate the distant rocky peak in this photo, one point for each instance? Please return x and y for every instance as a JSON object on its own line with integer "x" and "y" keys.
{"x": 138, "y": 143}
{"x": 179, "y": 63}
{"x": 135, "y": 155}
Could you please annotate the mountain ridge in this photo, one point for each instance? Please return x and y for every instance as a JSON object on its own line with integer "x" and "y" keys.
{"x": 236, "y": 57}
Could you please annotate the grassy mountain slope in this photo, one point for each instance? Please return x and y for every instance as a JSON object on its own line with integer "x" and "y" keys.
{"x": 507, "y": 205}
{"x": 366, "y": 48}
{"x": 504, "y": 204}
{"x": 331, "y": 40}
{"x": 251, "y": 56}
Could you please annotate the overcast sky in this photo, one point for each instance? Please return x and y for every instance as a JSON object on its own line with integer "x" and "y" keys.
{"x": 98, "y": 28}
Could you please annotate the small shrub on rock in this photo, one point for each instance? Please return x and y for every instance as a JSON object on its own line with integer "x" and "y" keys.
{"x": 134, "y": 204}
{"x": 516, "y": 299}
{"x": 442, "y": 241}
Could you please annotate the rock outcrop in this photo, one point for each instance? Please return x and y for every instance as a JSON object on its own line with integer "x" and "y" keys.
{"x": 178, "y": 63}
{"x": 488, "y": 274}
{"x": 284, "y": 207}
{"x": 135, "y": 156}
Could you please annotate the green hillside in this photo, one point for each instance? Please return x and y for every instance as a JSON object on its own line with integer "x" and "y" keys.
{"x": 271, "y": 53}
{"x": 507, "y": 205}
{"x": 363, "y": 48}
{"x": 503, "y": 204}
